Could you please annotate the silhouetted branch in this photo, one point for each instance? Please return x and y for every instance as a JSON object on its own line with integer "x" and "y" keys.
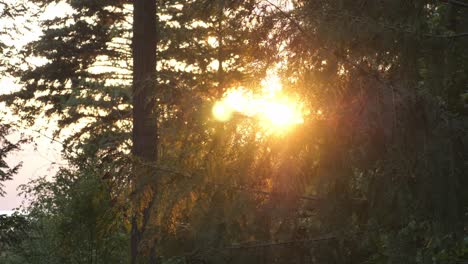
{"x": 455, "y": 2}
{"x": 451, "y": 36}
{"x": 280, "y": 243}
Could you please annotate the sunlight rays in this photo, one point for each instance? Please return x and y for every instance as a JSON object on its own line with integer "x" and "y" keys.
{"x": 275, "y": 111}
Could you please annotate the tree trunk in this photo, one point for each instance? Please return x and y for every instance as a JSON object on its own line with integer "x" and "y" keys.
{"x": 144, "y": 113}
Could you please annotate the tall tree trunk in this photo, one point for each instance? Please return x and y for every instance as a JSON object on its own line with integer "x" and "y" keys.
{"x": 144, "y": 113}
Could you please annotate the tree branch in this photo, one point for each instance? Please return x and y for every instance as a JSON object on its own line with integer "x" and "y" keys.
{"x": 455, "y": 2}
{"x": 280, "y": 243}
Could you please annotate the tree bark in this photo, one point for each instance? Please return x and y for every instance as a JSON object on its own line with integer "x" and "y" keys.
{"x": 145, "y": 132}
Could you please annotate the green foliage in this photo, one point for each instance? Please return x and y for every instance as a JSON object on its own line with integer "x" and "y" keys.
{"x": 13, "y": 229}
{"x": 398, "y": 134}
{"x": 72, "y": 220}
{"x": 379, "y": 175}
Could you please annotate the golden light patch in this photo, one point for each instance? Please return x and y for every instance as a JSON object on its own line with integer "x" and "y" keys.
{"x": 275, "y": 111}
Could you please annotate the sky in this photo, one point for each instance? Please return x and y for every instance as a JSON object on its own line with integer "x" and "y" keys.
{"x": 43, "y": 157}
{"x": 38, "y": 159}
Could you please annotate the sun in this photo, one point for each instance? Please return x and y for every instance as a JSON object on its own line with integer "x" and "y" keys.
{"x": 221, "y": 112}
{"x": 274, "y": 110}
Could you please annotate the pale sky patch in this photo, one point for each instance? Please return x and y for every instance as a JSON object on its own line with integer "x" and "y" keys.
{"x": 42, "y": 157}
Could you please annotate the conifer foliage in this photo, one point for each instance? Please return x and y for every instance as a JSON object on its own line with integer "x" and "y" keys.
{"x": 375, "y": 173}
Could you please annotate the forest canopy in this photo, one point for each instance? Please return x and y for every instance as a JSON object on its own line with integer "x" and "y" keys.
{"x": 239, "y": 131}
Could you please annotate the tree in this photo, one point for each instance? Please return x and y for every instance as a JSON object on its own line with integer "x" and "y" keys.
{"x": 72, "y": 219}
{"x": 74, "y": 87}
{"x": 374, "y": 71}
{"x": 7, "y": 146}
{"x": 374, "y": 174}
{"x": 13, "y": 230}
{"x": 80, "y": 76}
{"x": 176, "y": 89}
{"x": 145, "y": 134}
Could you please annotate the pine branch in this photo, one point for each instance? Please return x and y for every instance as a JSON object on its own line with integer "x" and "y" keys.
{"x": 339, "y": 56}
{"x": 243, "y": 188}
{"x": 240, "y": 188}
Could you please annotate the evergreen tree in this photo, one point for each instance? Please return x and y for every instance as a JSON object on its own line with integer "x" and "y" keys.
{"x": 74, "y": 87}
{"x": 145, "y": 133}
{"x": 391, "y": 120}
{"x": 373, "y": 175}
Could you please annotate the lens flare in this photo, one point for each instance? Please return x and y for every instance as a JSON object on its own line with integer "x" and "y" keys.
{"x": 221, "y": 112}
{"x": 271, "y": 107}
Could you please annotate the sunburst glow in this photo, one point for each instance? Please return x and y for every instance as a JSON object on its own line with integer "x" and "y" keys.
{"x": 275, "y": 111}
